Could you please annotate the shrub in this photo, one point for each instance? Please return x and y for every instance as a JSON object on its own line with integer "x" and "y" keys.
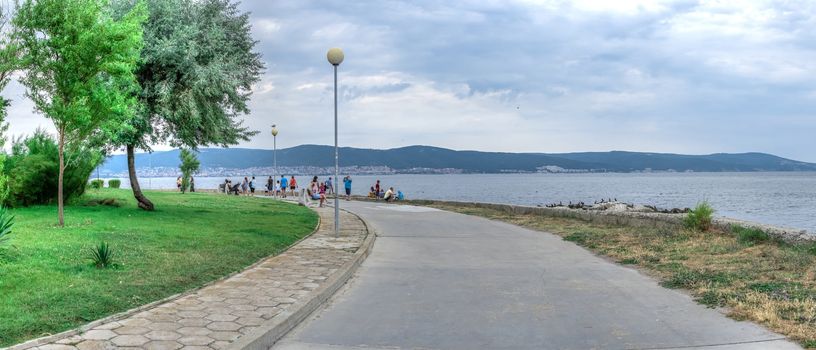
{"x": 97, "y": 184}
{"x": 749, "y": 235}
{"x": 6, "y": 222}
{"x": 700, "y": 217}
{"x": 33, "y": 168}
{"x": 102, "y": 255}
{"x": 114, "y": 183}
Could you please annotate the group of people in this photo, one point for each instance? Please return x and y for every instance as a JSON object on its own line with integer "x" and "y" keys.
{"x": 315, "y": 190}
{"x": 280, "y": 187}
{"x": 245, "y": 187}
{"x": 179, "y": 182}
{"x": 287, "y": 186}
{"x": 318, "y": 190}
{"x": 389, "y": 195}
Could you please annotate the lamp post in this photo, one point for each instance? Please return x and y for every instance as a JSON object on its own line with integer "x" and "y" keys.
{"x": 335, "y": 57}
{"x": 274, "y": 153}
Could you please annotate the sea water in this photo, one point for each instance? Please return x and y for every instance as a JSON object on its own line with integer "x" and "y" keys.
{"x": 777, "y": 198}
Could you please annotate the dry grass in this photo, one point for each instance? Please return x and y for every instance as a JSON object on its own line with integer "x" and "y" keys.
{"x": 771, "y": 283}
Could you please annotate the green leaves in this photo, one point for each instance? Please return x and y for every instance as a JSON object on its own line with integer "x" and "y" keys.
{"x": 78, "y": 64}
{"x": 6, "y": 222}
{"x": 102, "y": 255}
{"x": 197, "y": 66}
{"x": 699, "y": 218}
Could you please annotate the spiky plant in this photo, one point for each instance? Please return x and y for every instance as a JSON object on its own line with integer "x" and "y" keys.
{"x": 6, "y": 222}
{"x": 102, "y": 255}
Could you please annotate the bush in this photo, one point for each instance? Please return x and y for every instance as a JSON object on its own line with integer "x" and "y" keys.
{"x": 699, "y": 218}
{"x": 33, "y": 170}
{"x": 102, "y": 255}
{"x": 97, "y": 184}
{"x": 114, "y": 183}
{"x": 6, "y": 222}
{"x": 750, "y": 236}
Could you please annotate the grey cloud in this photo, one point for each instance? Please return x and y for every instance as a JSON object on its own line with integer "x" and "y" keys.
{"x": 689, "y": 77}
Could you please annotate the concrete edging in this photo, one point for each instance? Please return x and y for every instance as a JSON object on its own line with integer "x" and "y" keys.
{"x": 276, "y": 328}
{"x": 48, "y": 339}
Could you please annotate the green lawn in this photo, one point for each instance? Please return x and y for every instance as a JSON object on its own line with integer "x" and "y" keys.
{"x": 47, "y": 282}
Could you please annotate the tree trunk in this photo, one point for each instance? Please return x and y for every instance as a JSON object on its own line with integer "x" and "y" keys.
{"x": 61, "y": 173}
{"x": 143, "y": 202}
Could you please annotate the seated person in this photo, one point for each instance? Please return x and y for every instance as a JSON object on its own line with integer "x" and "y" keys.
{"x": 371, "y": 193}
{"x": 400, "y": 196}
{"x": 389, "y": 195}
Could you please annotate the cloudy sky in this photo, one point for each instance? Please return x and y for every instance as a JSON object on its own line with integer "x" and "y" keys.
{"x": 535, "y": 76}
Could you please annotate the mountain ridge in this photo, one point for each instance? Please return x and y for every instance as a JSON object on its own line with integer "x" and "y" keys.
{"x": 416, "y": 158}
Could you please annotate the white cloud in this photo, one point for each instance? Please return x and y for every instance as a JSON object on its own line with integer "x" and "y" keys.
{"x": 266, "y": 27}
{"x": 540, "y": 76}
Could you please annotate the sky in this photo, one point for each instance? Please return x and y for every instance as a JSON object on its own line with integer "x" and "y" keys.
{"x": 692, "y": 77}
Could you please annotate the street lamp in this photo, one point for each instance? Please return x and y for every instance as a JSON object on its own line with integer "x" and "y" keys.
{"x": 274, "y": 154}
{"x": 335, "y": 57}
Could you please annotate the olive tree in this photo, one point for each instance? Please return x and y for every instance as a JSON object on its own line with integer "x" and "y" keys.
{"x": 196, "y": 72}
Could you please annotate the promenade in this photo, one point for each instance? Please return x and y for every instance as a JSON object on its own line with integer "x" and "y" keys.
{"x": 440, "y": 280}
{"x": 221, "y": 314}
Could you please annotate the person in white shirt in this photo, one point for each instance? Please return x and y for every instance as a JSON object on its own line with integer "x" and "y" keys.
{"x": 389, "y": 195}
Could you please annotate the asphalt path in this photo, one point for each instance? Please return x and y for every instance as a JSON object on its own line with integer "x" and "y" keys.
{"x": 441, "y": 280}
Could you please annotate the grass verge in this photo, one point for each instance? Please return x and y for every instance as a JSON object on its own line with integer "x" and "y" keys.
{"x": 755, "y": 277}
{"x": 48, "y": 283}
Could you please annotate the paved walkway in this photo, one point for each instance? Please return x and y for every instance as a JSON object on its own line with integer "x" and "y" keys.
{"x": 439, "y": 280}
{"x": 216, "y": 315}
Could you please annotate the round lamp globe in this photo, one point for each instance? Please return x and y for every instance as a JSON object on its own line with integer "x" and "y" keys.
{"x": 335, "y": 56}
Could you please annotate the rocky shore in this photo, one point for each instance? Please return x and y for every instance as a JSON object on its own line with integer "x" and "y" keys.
{"x": 612, "y": 212}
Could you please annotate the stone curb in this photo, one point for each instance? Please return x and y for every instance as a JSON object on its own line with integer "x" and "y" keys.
{"x": 273, "y": 330}
{"x": 48, "y": 339}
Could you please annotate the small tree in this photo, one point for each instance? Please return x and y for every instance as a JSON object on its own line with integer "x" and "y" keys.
{"x": 78, "y": 63}
{"x": 189, "y": 166}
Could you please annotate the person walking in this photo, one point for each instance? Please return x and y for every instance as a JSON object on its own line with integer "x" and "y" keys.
{"x": 270, "y": 186}
{"x": 284, "y": 185}
{"x": 252, "y": 185}
{"x": 192, "y": 184}
{"x": 329, "y": 186}
{"x": 178, "y": 183}
{"x": 293, "y": 184}
{"x": 322, "y": 192}
{"x": 245, "y": 186}
{"x": 347, "y": 185}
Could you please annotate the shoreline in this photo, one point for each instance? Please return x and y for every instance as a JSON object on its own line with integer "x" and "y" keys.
{"x": 786, "y": 233}
{"x": 632, "y": 218}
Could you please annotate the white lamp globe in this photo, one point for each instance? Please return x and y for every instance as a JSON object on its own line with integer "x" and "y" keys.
{"x": 335, "y": 56}
{"x": 274, "y": 130}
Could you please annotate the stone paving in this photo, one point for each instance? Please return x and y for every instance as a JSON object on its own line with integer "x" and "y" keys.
{"x": 216, "y": 315}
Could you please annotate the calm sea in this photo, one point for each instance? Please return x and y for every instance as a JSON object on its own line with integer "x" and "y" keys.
{"x": 784, "y": 199}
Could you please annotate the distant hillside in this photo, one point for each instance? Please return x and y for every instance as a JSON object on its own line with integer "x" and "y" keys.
{"x": 419, "y": 157}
